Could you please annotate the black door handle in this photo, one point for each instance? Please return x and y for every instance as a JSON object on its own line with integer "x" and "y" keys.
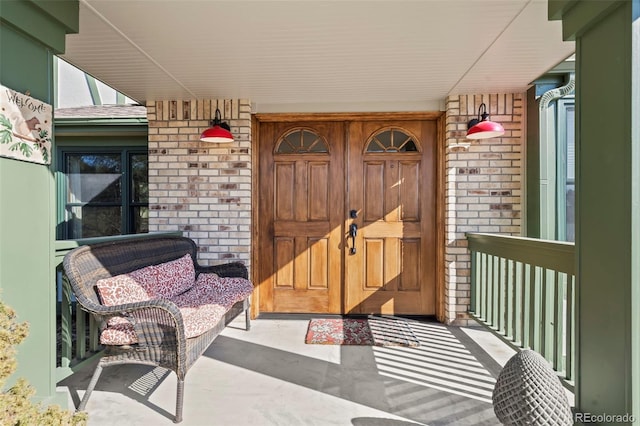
{"x": 353, "y": 231}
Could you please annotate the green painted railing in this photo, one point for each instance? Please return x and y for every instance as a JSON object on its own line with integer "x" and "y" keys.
{"x": 77, "y": 332}
{"x": 523, "y": 290}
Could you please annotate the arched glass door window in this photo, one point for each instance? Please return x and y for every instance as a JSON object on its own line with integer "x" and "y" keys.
{"x": 301, "y": 141}
{"x": 392, "y": 140}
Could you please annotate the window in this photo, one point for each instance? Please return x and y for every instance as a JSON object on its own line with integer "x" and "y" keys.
{"x": 393, "y": 140}
{"x": 301, "y": 141}
{"x": 104, "y": 192}
{"x": 550, "y": 158}
{"x": 566, "y": 191}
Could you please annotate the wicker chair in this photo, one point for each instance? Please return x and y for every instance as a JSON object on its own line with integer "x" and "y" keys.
{"x": 158, "y": 323}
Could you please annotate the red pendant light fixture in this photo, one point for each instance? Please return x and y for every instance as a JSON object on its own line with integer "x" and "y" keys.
{"x": 482, "y": 127}
{"x": 219, "y": 132}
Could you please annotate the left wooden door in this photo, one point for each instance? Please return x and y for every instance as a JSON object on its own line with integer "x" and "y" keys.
{"x": 301, "y": 217}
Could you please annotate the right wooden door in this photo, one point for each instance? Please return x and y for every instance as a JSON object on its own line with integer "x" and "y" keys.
{"x": 391, "y": 223}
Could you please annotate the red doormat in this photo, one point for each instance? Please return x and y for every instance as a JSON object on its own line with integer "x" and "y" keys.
{"x": 371, "y": 331}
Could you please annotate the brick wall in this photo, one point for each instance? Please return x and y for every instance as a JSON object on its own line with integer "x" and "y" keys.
{"x": 204, "y": 189}
{"x": 200, "y": 188}
{"x": 483, "y": 187}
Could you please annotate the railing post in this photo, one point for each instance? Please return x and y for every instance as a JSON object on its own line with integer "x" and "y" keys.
{"x": 482, "y": 303}
{"x": 570, "y": 333}
{"x": 558, "y": 321}
{"x": 544, "y": 313}
{"x": 523, "y": 303}
{"x": 473, "y": 277}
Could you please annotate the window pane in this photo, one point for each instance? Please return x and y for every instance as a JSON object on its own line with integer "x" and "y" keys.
{"x": 93, "y": 221}
{"x": 94, "y": 178}
{"x": 308, "y": 139}
{"x": 409, "y": 146}
{"x": 571, "y": 152}
{"x": 385, "y": 138}
{"x": 570, "y": 192}
{"x": 570, "y": 229}
{"x": 139, "y": 178}
{"x": 375, "y": 146}
{"x": 301, "y": 141}
{"x": 140, "y": 217}
{"x": 285, "y": 147}
{"x": 393, "y": 140}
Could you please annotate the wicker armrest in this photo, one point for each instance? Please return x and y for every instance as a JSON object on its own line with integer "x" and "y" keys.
{"x": 234, "y": 269}
{"x": 125, "y": 308}
{"x": 156, "y": 322}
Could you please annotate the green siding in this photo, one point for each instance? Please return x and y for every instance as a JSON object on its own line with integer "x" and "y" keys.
{"x": 635, "y": 213}
{"x": 22, "y": 64}
{"x": 45, "y": 21}
{"x": 66, "y": 12}
{"x": 26, "y": 191}
{"x": 607, "y": 199}
{"x": 101, "y": 132}
{"x": 603, "y": 239}
{"x": 533, "y": 166}
{"x": 27, "y": 207}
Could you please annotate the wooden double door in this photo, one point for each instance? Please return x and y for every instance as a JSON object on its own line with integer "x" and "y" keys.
{"x": 346, "y": 217}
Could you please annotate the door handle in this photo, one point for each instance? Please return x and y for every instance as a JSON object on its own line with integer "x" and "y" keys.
{"x": 353, "y": 232}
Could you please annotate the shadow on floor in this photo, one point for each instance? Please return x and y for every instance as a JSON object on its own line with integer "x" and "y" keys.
{"x": 447, "y": 379}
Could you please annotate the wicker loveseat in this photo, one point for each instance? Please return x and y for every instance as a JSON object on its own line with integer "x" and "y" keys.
{"x": 161, "y": 330}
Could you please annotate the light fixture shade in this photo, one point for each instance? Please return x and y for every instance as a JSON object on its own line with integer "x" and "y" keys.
{"x": 216, "y": 134}
{"x": 482, "y": 127}
{"x": 485, "y": 129}
{"x": 219, "y": 132}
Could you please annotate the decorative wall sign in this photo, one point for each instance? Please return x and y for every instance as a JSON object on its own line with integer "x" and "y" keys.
{"x": 25, "y": 127}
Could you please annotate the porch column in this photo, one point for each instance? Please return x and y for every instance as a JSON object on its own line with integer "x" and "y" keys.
{"x": 607, "y": 35}
{"x": 31, "y": 32}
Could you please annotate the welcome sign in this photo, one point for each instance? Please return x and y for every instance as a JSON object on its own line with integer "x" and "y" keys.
{"x": 25, "y": 127}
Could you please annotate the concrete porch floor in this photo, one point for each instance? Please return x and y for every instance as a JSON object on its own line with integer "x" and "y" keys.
{"x": 269, "y": 376}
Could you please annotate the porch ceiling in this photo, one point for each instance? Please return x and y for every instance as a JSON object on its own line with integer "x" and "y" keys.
{"x": 306, "y": 55}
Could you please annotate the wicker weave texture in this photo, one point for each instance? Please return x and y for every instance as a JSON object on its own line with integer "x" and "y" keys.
{"x": 528, "y": 392}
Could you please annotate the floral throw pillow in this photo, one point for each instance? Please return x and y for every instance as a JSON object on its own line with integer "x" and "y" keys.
{"x": 230, "y": 289}
{"x": 121, "y": 289}
{"x": 174, "y": 277}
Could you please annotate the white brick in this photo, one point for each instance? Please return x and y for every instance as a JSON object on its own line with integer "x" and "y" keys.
{"x": 499, "y": 167}
{"x": 190, "y": 179}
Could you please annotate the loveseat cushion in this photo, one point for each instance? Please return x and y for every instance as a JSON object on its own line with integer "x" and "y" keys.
{"x": 119, "y": 334}
{"x": 202, "y": 307}
{"x": 198, "y": 316}
{"x": 199, "y": 313}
